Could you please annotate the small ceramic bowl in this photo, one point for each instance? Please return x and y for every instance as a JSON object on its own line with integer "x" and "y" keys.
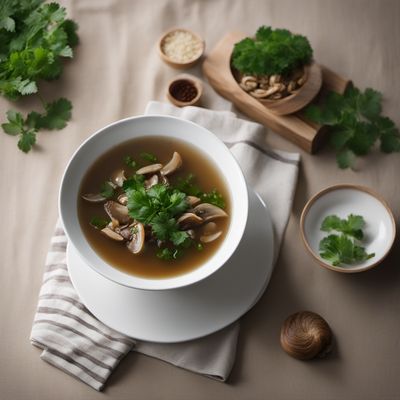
{"x": 173, "y": 86}
{"x": 342, "y": 200}
{"x": 180, "y": 64}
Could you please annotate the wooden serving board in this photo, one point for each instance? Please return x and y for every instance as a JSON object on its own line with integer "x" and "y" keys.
{"x": 294, "y": 127}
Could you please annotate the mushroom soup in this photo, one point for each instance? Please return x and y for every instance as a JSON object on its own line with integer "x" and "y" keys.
{"x": 154, "y": 207}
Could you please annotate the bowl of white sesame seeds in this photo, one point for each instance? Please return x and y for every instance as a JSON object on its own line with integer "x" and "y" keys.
{"x": 180, "y": 48}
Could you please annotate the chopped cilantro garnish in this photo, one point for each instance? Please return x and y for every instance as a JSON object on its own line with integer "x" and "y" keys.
{"x": 148, "y": 157}
{"x": 99, "y": 222}
{"x": 129, "y": 161}
{"x": 106, "y": 190}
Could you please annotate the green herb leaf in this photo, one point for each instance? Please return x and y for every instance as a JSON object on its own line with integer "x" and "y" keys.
{"x": 129, "y": 161}
{"x": 356, "y": 124}
{"x": 271, "y": 52}
{"x": 163, "y": 226}
{"x": 99, "y": 222}
{"x": 27, "y": 140}
{"x": 213, "y": 197}
{"x": 148, "y": 157}
{"x": 107, "y": 190}
{"x": 342, "y": 250}
{"x": 351, "y": 226}
{"x": 57, "y": 114}
{"x": 169, "y": 254}
{"x": 191, "y": 189}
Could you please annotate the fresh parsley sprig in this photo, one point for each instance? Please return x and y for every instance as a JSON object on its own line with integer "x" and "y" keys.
{"x": 56, "y": 116}
{"x": 343, "y": 248}
{"x": 271, "y": 52}
{"x": 34, "y": 39}
{"x": 356, "y": 124}
{"x": 158, "y": 207}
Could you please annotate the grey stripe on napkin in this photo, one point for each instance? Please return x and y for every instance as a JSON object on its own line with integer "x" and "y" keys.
{"x": 73, "y": 340}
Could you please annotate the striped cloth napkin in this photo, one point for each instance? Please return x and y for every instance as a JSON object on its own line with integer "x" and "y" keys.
{"x": 73, "y": 340}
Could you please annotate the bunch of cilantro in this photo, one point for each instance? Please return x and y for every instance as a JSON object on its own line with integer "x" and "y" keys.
{"x": 34, "y": 39}
{"x": 342, "y": 248}
{"x": 271, "y": 52}
{"x": 159, "y": 207}
{"x": 356, "y": 123}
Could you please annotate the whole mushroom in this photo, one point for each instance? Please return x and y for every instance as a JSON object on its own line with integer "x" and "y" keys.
{"x": 306, "y": 335}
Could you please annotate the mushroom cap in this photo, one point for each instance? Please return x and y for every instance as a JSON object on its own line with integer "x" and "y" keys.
{"x": 123, "y": 199}
{"x": 209, "y": 211}
{"x": 149, "y": 169}
{"x": 189, "y": 220}
{"x": 118, "y": 177}
{"x": 94, "y": 198}
{"x": 306, "y": 335}
{"x": 117, "y": 211}
{"x": 211, "y": 237}
{"x": 136, "y": 244}
{"x": 193, "y": 200}
{"x": 112, "y": 235}
{"x": 148, "y": 183}
{"x": 172, "y": 165}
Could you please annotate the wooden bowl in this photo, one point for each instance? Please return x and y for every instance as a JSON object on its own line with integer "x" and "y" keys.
{"x": 185, "y": 77}
{"x": 174, "y": 63}
{"x": 342, "y": 200}
{"x": 299, "y": 99}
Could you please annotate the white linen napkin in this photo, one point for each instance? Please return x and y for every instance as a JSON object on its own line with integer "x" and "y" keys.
{"x": 73, "y": 340}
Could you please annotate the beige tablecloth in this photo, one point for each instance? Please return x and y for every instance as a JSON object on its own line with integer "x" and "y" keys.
{"x": 115, "y": 73}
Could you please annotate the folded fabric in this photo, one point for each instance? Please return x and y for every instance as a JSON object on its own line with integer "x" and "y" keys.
{"x": 73, "y": 340}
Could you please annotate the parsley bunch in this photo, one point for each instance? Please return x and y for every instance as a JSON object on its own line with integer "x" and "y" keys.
{"x": 34, "y": 39}
{"x": 271, "y": 52}
{"x": 343, "y": 248}
{"x": 158, "y": 207}
{"x": 356, "y": 124}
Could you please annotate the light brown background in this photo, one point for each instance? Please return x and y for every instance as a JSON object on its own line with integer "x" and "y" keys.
{"x": 116, "y": 71}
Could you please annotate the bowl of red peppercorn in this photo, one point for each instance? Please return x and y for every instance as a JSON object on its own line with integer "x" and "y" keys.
{"x": 184, "y": 90}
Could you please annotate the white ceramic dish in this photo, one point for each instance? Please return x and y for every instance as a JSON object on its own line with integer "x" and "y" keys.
{"x": 190, "y": 312}
{"x": 154, "y": 125}
{"x": 342, "y": 200}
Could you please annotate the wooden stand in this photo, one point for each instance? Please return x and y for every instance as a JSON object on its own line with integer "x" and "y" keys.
{"x": 294, "y": 127}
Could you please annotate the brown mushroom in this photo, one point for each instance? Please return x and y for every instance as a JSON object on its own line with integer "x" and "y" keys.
{"x": 193, "y": 200}
{"x": 209, "y": 212}
{"x": 148, "y": 183}
{"x": 209, "y": 228}
{"x": 125, "y": 231}
{"x": 211, "y": 237}
{"x": 123, "y": 199}
{"x": 118, "y": 177}
{"x": 248, "y": 82}
{"x": 112, "y": 235}
{"x": 172, "y": 165}
{"x": 164, "y": 180}
{"x": 191, "y": 233}
{"x": 149, "y": 169}
{"x": 306, "y": 335}
{"x": 94, "y": 198}
{"x": 189, "y": 220}
{"x": 136, "y": 244}
{"x": 273, "y": 79}
{"x": 117, "y": 211}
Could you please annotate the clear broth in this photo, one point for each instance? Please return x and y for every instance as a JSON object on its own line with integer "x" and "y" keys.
{"x": 147, "y": 264}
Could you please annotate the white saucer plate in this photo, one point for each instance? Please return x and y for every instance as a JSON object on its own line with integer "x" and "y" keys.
{"x": 190, "y": 312}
